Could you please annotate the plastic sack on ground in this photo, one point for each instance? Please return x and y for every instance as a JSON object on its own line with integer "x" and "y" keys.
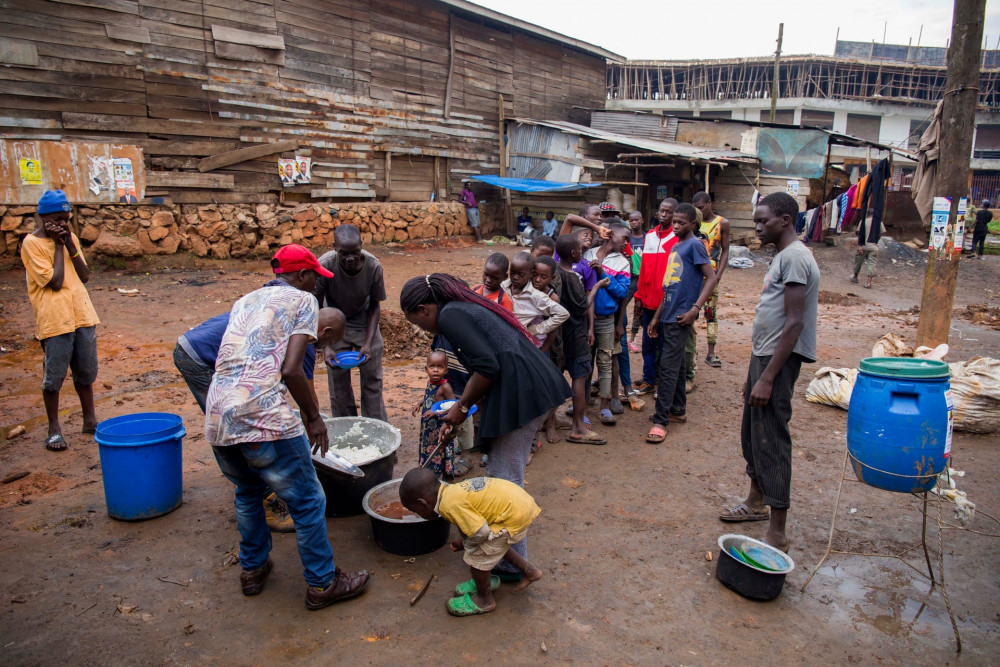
{"x": 891, "y": 345}
{"x": 936, "y": 353}
{"x": 832, "y": 386}
{"x": 975, "y": 391}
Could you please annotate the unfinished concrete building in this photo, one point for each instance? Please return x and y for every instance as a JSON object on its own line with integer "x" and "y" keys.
{"x": 880, "y": 93}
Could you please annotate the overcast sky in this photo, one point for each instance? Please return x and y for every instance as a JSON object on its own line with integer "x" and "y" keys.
{"x": 671, "y": 30}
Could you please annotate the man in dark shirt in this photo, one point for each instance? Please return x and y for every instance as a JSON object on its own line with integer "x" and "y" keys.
{"x": 357, "y": 289}
{"x": 983, "y": 218}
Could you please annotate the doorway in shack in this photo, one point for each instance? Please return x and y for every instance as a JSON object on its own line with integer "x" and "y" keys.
{"x": 665, "y": 181}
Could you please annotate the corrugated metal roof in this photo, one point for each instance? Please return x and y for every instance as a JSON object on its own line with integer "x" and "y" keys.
{"x": 537, "y": 30}
{"x": 650, "y": 126}
{"x": 686, "y": 151}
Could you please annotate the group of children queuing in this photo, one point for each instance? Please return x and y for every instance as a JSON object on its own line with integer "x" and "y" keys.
{"x": 676, "y": 277}
{"x": 572, "y": 290}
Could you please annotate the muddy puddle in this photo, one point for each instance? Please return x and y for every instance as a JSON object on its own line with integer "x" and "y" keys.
{"x": 887, "y": 596}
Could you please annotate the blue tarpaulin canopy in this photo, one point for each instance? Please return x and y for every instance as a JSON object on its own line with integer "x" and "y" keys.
{"x": 533, "y": 185}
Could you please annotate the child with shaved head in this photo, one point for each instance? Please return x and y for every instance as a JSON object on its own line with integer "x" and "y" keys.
{"x": 492, "y": 515}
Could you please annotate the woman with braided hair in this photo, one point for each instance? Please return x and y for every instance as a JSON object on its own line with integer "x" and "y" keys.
{"x": 515, "y": 383}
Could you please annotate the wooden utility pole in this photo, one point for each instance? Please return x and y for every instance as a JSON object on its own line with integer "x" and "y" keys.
{"x": 775, "y": 90}
{"x": 958, "y": 121}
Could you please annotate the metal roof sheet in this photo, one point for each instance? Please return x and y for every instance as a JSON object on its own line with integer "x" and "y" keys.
{"x": 537, "y": 30}
{"x": 687, "y": 151}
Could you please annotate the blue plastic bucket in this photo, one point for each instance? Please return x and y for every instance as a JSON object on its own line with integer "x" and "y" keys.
{"x": 141, "y": 464}
{"x": 899, "y": 423}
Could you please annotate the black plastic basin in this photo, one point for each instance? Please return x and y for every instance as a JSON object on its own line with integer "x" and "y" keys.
{"x": 747, "y": 580}
{"x": 410, "y": 536}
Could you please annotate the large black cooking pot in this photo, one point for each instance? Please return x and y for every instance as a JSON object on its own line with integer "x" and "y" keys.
{"x": 747, "y": 580}
{"x": 411, "y": 536}
{"x": 344, "y": 493}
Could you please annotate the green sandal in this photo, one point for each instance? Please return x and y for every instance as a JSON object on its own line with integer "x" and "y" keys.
{"x": 464, "y": 606}
{"x": 467, "y": 587}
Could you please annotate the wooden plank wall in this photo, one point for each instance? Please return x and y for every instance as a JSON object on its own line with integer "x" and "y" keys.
{"x": 350, "y": 80}
{"x": 732, "y": 191}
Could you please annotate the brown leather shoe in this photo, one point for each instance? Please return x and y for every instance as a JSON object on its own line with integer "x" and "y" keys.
{"x": 344, "y": 587}
{"x": 252, "y": 581}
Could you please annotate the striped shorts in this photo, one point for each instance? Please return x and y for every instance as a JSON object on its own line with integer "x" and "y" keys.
{"x": 766, "y": 440}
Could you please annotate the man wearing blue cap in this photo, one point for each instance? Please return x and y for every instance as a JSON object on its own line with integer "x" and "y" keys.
{"x": 65, "y": 318}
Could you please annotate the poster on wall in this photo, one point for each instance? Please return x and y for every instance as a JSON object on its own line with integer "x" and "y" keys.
{"x": 945, "y": 236}
{"x": 100, "y": 175}
{"x": 661, "y": 192}
{"x": 295, "y": 171}
{"x": 958, "y": 231}
{"x": 31, "y": 171}
{"x": 792, "y": 188}
{"x": 939, "y": 221}
{"x": 124, "y": 181}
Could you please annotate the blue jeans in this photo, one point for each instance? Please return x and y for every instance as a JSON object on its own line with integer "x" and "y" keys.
{"x": 650, "y": 349}
{"x": 286, "y": 467}
{"x": 624, "y": 363}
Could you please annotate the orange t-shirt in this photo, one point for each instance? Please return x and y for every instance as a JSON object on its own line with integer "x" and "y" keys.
{"x": 56, "y": 312}
{"x": 499, "y": 296}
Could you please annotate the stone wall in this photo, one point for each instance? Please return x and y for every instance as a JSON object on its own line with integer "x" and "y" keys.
{"x": 238, "y": 230}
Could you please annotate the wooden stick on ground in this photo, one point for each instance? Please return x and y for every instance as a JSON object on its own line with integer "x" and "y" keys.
{"x": 423, "y": 590}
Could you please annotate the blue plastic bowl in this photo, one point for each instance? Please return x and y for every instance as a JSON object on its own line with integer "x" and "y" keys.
{"x": 347, "y": 360}
{"x": 440, "y": 410}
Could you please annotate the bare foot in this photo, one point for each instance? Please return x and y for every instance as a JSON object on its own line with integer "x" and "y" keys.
{"x": 531, "y": 575}
{"x": 777, "y": 540}
{"x": 551, "y": 434}
{"x": 563, "y": 423}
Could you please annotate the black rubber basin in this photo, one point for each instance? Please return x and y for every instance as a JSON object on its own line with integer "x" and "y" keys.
{"x": 410, "y": 536}
{"x": 747, "y": 580}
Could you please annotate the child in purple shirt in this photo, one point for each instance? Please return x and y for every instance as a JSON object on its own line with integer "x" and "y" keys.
{"x": 582, "y": 268}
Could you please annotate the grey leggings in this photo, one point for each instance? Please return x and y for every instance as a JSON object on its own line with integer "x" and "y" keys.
{"x": 508, "y": 458}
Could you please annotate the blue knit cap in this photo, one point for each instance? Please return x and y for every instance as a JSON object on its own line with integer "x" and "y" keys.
{"x": 53, "y": 201}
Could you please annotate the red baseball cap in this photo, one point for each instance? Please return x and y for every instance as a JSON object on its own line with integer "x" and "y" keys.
{"x": 293, "y": 257}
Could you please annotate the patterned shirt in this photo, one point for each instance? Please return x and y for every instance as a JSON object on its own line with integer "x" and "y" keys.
{"x": 711, "y": 233}
{"x": 248, "y": 400}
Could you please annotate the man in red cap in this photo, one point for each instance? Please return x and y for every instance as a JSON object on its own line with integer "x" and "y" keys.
{"x": 259, "y": 443}
{"x": 608, "y": 210}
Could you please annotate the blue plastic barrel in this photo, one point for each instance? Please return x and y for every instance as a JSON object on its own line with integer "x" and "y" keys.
{"x": 141, "y": 464}
{"x": 899, "y": 423}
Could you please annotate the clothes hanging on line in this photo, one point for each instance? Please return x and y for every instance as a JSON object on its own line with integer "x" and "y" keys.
{"x": 814, "y": 225}
{"x": 874, "y": 199}
{"x": 818, "y": 228}
{"x": 850, "y": 213}
{"x": 844, "y": 207}
{"x": 800, "y": 222}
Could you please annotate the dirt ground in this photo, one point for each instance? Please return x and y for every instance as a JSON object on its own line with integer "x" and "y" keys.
{"x": 622, "y": 538}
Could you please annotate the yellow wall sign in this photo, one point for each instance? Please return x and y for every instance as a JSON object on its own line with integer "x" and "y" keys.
{"x": 31, "y": 171}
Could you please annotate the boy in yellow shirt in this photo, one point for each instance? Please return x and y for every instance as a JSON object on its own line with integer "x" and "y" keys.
{"x": 492, "y": 515}
{"x": 65, "y": 319}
